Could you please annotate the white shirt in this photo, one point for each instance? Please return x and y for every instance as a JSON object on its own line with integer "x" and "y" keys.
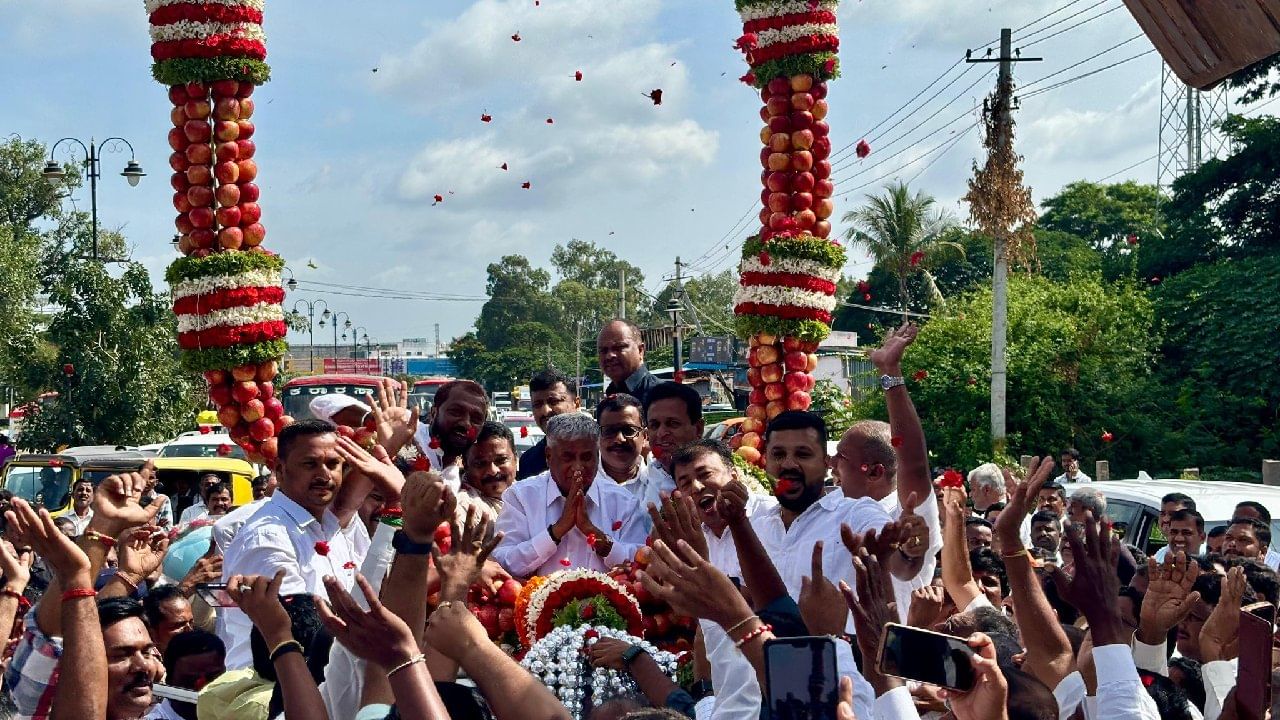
{"x": 721, "y": 550}
{"x": 163, "y": 711}
{"x": 928, "y": 511}
{"x": 792, "y": 549}
{"x": 530, "y": 506}
{"x": 284, "y": 535}
{"x": 1273, "y": 559}
{"x": 452, "y": 474}
{"x": 1079, "y": 477}
{"x": 1070, "y": 693}
{"x": 226, "y": 527}
{"x": 81, "y": 523}
{"x": 650, "y": 485}
{"x": 193, "y": 513}
{"x": 1120, "y": 695}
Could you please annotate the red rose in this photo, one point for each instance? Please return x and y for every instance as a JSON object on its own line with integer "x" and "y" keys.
{"x": 863, "y": 149}
{"x": 1107, "y": 436}
{"x": 919, "y": 375}
{"x": 434, "y": 444}
{"x": 765, "y": 259}
{"x": 565, "y": 562}
{"x": 617, "y": 525}
{"x": 322, "y": 548}
{"x": 524, "y": 431}
{"x": 422, "y": 463}
{"x": 916, "y": 257}
{"x": 348, "y": 565}
{"x": 951, "y": 478}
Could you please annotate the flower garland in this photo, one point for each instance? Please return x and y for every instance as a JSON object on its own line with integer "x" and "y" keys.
{"x": 786, "y": 38}
{"x": 219, "y": 264}
{"x": 558, "y": 661}
{"x": 795, "y": 33}
{"x": 262, "y": 312}
{"x": 564, "y": 587}
{"x": 787, "y": 297}
{"x": 758, "y": 9}
{"x": 210, "y": 358}
{"x": 806, "y": 247}
{"x": 522, "y": 603}
{"x": 789, "y": 266}
{"x": 207, "y": 40}
{"x": 776, "y": 22}
{"x": 153, "y": 5}
{"x": 225, "y": 337}
{"x": 790, "y": 280}
{"x": 196, "y": 30}
{"x": 205, "y": 13}
{"x": 218, "y": 283}
{"x": 229, "y": 298}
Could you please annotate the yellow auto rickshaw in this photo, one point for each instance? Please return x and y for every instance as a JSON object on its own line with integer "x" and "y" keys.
{"x": 179, "y": 477}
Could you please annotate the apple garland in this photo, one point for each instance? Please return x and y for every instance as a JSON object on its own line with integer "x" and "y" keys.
{"x": 226, "y": 290}
{"x": 789, "y": 270}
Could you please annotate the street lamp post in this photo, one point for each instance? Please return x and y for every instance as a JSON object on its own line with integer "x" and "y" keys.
{"x": 310, "y": 305}
{"x": 355, "y": 338}
{"x": 335, "y": 329}
{"x": 53, "y": 172}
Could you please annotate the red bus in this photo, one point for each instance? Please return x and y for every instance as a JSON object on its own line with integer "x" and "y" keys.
{"x": 298, "y": 393}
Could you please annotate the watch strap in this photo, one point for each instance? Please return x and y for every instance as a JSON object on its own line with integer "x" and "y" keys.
{"x": 630, "y": 654}
{"x": 888, "y": 382}
{"x": 401, "y": 543}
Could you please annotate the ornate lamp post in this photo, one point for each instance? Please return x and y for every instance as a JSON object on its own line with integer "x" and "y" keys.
{"x": 53, "y": 172}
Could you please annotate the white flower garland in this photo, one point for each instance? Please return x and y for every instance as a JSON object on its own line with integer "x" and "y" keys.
{"x": 765, "y": 38}
{"x": 231, "y": 317}
{"x": 192, "y": 30}
{"x": 785, "y": 7}
{"x": 539, "y": 598}
{"x": 784, "y": 296}
{"x": 214, "y": 283}
{"x": 558, "y": 661}
{"x": 153, "y": 5}
{"x": 794, "y": 266}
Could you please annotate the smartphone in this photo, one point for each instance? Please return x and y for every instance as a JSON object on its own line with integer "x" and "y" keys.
{"x": 215, "y": 595}
{"x": 801, "y": 679}
{"x": 928, "y": 657}
{"x": 1253, "y": 672}
{"x": 177, "y": 694}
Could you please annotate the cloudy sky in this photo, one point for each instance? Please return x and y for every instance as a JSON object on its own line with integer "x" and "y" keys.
{"x": 375, "y": 107}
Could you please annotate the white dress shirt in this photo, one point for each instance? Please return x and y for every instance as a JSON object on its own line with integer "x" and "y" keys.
{"x": 1070, "y": 694}
{"x": 530, "y": 506}
{"x": 650, "y": 485}
{"x": 226, "y": 527}
{"x": 452, "y": 474}
{"x": 196, "y": 511}
{"x": 81, "y": 523}
{"x": 897, "y": 704}
{"x": 1079, "y": 477}
{"x": 1121, "y": 694}
{"x": 928, "y": 511}
{"x": 163, "y": 711}
{"x": 284, "y": 535}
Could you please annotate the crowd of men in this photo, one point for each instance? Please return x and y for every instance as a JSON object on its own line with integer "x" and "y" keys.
{"x": 327, "y": 572}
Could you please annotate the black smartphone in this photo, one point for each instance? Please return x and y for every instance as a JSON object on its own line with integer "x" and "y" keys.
{"x": 1253, "y": 671}
{"x": 801, "y": 678}
{"x": 215, "y": 594}
{"x": 928, "y": 657}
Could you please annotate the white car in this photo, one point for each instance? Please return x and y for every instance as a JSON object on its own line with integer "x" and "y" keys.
{"x": 531, "y": 433}
{"x": 1136, "y": 504}
{"x": 197, "y": 444}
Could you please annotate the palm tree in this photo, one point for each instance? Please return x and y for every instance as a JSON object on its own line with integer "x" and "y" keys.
{"x": 904, "y": 234}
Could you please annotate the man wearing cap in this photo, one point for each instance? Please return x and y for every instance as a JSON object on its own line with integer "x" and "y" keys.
{"x": 340, "y": 409}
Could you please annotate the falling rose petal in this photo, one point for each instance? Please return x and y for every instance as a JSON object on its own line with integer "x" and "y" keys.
{"x": 438, "y": 199}
{"x": 434, "y": 444}
{"x": 1132, "y": 239}
{"x": 516, "y": 37}
{"x": 503, "y": 166}
{"x": 896, "y": 442}
{"x": 322, "y": 547}
{"x": 524, "y": 431}
{"x": 224, "y": 450}
{"x": 866, "y": 297}
{"x": 749, "y": 78}
{"x": 863, "y": 149}
{"x": 348, "y": 565}
{"x": 655, "y": 95}
{"x": 678, "y": 376}
{"x": 916, "y": 257}
{"x": 952, "y": 478}
{"x": 565, "y": 562}
{"x": 577, "y": 75}
{"x": 919, "y": 375}
{"x": 1107, "y": 436}
{"x": 486, "y": 117}
{"x": 551, "y": 121}
{"x": 205, "y": 429}
{"x": 591, "y": 539}
{"x": 617, "y": 525}
{"x": 526, "y": 184}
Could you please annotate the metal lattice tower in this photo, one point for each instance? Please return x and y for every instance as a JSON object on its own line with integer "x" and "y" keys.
{"x": 1189, "y": 133}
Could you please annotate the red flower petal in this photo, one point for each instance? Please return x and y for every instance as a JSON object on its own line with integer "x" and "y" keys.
{"x": 524, "y": 431}
{"x": 916, "y": 257}
{"x": 655, "y": 96}
{"x": 503, "y": 166}
{"x": 951, "y": 478}
{"x": 591, "y": 539}
{"x": 617, "y": 525}
{"x": 516, "y": 37}
{"x": 205, "y": 429}
{"x": 486, "y": 117}
{"x": 434, "y": 444}
{"x": 919, "y": 375}
{"x": 422, "y": 463}
{"x": 526, "y": 184}
{"x": 765, "y": 259}
{"x": 863, "y": 149}
{"x": 551, "y": 121}
{"x": 565, "y": 562}
{"x": 348, "y": 565}
{"x": 472, "y": 433}
{"x": 577, "y": 75}
{"x": 224, "y": 450}
{"x": 749, "y": 78}
{"x": 438, "y": 199}
{"x": 322, "y": 548}
{"x": 784, "y": 486}
{"x": 1107, "y": 436}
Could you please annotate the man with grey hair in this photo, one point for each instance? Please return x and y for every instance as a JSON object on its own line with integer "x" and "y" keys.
{"x": 1090, "y": 499}
{"x": 562, "y": 518}
{"x": 986, "y": 486}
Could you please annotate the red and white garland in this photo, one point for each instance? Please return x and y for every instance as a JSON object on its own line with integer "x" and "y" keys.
{"x": 567, "y": 585}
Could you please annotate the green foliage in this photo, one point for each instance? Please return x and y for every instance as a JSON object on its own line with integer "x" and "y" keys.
{"x": 604, "y": 614}
{"x": 1079, "y": 363}
{"x": 1105, "y": 216}
{"x": 806, "y": 247}
{"x": 708, "y": 299}
{"x": 191, "y": 268}
{"x": 1258, "y": 81}
{"x": 518, "y": 293}
{"x": 814, "y": 64}
{"x": 180, "y": 71}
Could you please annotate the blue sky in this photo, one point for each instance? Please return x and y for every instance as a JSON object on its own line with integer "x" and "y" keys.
{"x": 350, "y": 158}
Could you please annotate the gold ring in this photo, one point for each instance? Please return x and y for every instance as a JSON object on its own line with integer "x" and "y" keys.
{"x": 445, "y": 604}
{"x": 915, "y": 541}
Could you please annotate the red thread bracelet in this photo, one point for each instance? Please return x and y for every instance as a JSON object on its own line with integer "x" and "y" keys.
{"x": 753, "y": 635}
{"x": 106, "y": 540}
{"x": 6, "y": 592}
{"x": 76, "y": 593}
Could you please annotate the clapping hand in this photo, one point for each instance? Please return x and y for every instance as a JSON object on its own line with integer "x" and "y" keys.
{"x": 37, "y": 529}
{"x": 375, "y": 466}
{"x": 117, "y": 502}
{"x": 871, "y": 612}
{"x": 731, "y": 503}
{"x": 426, "y": 502}
{"x": 141, "y": 551}
{"x": 882, "y": 543}
{"x": 821, "y": 605}
{"x": 376, "y": 635}
{"x": 461, "y": 566}
{"x": 394, "y": 422}
{"x": 692, "y": 586}
{"x": 679, "y": 521}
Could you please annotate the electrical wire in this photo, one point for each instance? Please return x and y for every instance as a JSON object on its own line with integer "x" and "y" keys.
{"x": 1082, "y": 76}
{"x": 1071, "y": 27}
{"x": 1078, "y": 64}
{"x": 1047, "y": 15}
{"x": 911, "y": 162}
{"x": 1078, "y": 13}
{"x": 1127, "y": 169}
{"x": 836, "y": 156}
{"x": 926, "y": 102}
{"x": 940, "y": 155}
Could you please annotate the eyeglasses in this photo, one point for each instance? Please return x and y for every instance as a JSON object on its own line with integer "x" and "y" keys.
{"x": 628, "y": 432}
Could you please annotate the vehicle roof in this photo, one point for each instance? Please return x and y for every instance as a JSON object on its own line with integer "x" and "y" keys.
{"x": 338, "y": 379}
{"x": 433, "y": 381}
{"x": 1216, "y": 501}
{"x": 198, "y": 438}
{"x": 123, "y": 459}
{"x": 215, "y": 464}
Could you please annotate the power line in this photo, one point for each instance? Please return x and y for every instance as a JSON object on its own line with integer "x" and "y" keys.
{"x": 1076, "y": 65}
{"x": 1078, "y": 13}
{"x": 1072, "y": 27}
{"x": 926, "y": 102}
{"x": 1082, "y": 76}
{"x": 1124, "y": 170}
{"x": 1049, "y": 14}
{"x": 836, "y": 156}
{"x": 909, "y": 163}
{"x": 924, "y": 169}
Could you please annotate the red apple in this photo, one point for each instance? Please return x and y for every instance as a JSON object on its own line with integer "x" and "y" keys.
{"x": 806, "y": 219}
{"x": 199, "y": 175}
{"x": 776, "y": 407}
{"x": 822, "y": 169}
{"x": 227, "y": 108}
{"x": 780, "y": 221}
{"x": 824, "y": 188}
{"x": 227, "y": 152}
{"x": 270, "y": 447}
{"x": 802, "y": 182}
{"x": 197, "y": 131}
{"x": 802, "y": 101}
{"x": 228, "y": 416}
{"x": 266, "y": 389}
{"x": 177, "y": 139}
{"x": 764, "y": 197}
{"x": 779, "y": 86}
{"x": 796, "y": 382}
{"x": 178, "y": 95}
{"x": 819, "y": 90}
{"x": 225, "y": 88}
{"x": 821, "y": 128}
{"x": 200, "y": 196}
{"x": 262, "y": 428}
{"x": 250, "y": 213}
{"x": 778, "y": 181}
{"x": 226, "y": 130}
{"x": 248, "y": 191}
{"x": 199, "y": 153}
{"x": 196, "y": 90}
{"x": 181, "y": 203}
{"x": 198, "y": 109}
{"x": 248, "y": 170}
{"x": 780, "y": 123}
{"x": 753, "y": 376}
{"x": 203, "y": 238}
{"x": 770, "y": 374}
{"x": 819, "y": 109}
{"x": 245, "y": 391}
{"x": 755, "y": 412}
{"x": 179, "y": 182}
{"x": 230, "y": 238}
{"x": 795, "y": 361}
{"x": 779, "y": 161}
{"x": 778, "y": 106}
{"x": 183, "y": 224}
{"x": 779, "y": 202}
{"x": 802, "y": 139}
{"x": 764, "y": 216}
{"x": 801, "y": 119}
{"x": 178, "y": 117}
{"x": 765, "y": 134}
{"x": 179, "y": 162}
{"x": 824, "y": 208}
{"x": 201, "y": 217}
{"x": 767, "y": 353}
{"x": 791, "y": 343}
{"x": 780, "y": 142}
{"x": 812, "y": 363}
{"x": 246, "y": 89}
{"x": 764, "y": 113}
{"x": 799, "y": 401}
{"x": 227, "y": 172}
{"x": 229, "y": 216}
{"x": 801, "y": 201}
{"x": 765, "y": 94}
{"x": 821, "y": 148}
{"x": 756, "y": 397}
{"x": 801, "y": 160}
{"x": 801, "y": 83}
{"x": 765, "y": 152}
{"x": 274, "y": 408}
{"x": 247, "y": 148}
{"x": 244, "y": 373}
{"x": 228, "y": 194}
{"x": 267, "y": 371}
{"x": 246, "y": 129}
{"x": 254, "y": 234}
{"x": 246, "y": 108}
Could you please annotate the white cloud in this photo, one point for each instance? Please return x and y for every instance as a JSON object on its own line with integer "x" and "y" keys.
{"x": 1093, "y": 134}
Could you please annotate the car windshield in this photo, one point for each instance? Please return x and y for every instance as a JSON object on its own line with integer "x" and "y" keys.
{"x": 201, "y": 450}
{"x": 44, "y": 486}
{"x": 297, "y": 399}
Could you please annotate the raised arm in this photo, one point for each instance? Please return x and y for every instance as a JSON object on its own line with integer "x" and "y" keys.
{"x": 957, "y": 574}
{"x": 367, "y": 471}
{"x": 761, "y": 578}
{"x": 15, "y": 565}
{"x": 913, "y": 456}
{"x": 259, "y": 598}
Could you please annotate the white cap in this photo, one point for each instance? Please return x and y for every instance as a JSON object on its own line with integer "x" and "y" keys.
{"x": 326, "y": 406}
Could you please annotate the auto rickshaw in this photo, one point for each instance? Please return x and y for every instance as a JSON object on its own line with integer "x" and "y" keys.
{"x": 179, "y": 477}
{"x": 46, "y": 480}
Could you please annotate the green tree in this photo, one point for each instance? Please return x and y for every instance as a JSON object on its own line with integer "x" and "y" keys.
{"x": 708, "y": 303}
{"x": 905, "y": 234}
{"x": 518, "y": 293}
{"x": 1080, "y": 357}
{"x": 1112, "y": 219}
{"x": 591, "y": 273}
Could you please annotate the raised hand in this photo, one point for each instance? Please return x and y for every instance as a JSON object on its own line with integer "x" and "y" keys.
{"x": 259, "y": 598}
{"x": 572, "y": 509}
{"x": 426, "y": 502}
{"x": 1220, "y": 636}
{"x": 882, "y": 543}
{"x": 692, "y": 586}
{"x": 394, "y": 422}
{"x": 15, "y": 566}
{"x": 461, "y": 566}
{"x": 871, "y": 611}
{"x": 987, "y": 699}
{"x": 376, "y": 466}
{"x": 679, "y": 521}
{"x": 206, "y": 570}
{"x": 926, "y": 606}
{"x": 117, "y": 502}
{"x": 821, "y": 604}
{"x": 915, "y": 540}
{"x": 1169, "y": 599}
{"x": 1020, "y": 497}
{"x": 37, "y": 529}
{"x": 376, "y": 635}
{"x": 732, "y": 502}
{"x": 140, "y": 552}
{"x": 1095, "y": 585}
{"x": 888, "y": 357}
{"x": 454, "y": 632}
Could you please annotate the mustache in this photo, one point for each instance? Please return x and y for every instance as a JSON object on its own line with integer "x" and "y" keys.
{"x": 791, "y": 475}
{"x": 619, "y": 447}
{"x": 139, "y": 680}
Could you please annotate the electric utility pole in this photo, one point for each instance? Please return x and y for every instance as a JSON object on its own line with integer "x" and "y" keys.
{"x": 674, "y": 307}
{"x": 999, "y": 202}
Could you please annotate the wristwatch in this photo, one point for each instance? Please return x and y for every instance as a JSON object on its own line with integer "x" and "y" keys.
{"x": 401, "y": 543}
{"x": 701, "y": 689}
{"x": 889, "y": 382}
{"x": 630, "y": 654}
